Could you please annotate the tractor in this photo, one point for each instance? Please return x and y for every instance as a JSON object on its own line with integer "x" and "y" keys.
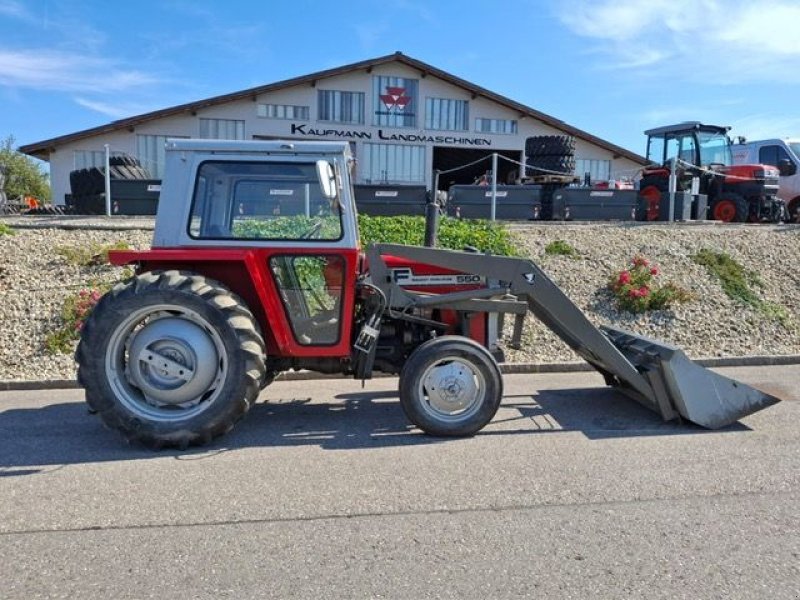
{"x": 256, "y": 268}
{"x": 740, "y": 193}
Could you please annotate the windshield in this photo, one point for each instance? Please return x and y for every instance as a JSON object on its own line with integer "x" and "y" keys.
{"x": 274, "y": 201}
{"x": 714, "y": 149}
{"x": 795, "y": 146}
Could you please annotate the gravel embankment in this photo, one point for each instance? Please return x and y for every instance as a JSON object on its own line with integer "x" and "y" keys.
{"x": 35, "y": 280}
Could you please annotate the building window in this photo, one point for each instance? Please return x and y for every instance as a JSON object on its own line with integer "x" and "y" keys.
{"x": 503, "y": 126}
{"x": 221, "y": 129}
{"x": 446, "y": 114}
{"x": 283, "y": 111}
{"x": 341, "y": 107}
{"x": 86, "y": 159}
{"x": 394, "y": 163}
{"x": 151, "y": 152}
{"x": 394, "y": 101}
{"x": 598, "y": 170}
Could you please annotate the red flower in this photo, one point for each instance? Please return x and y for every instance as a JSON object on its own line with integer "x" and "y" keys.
{"x": 644, "y": 291}
{"x": 654, "y": 270}
{"x": 624, "y": 278}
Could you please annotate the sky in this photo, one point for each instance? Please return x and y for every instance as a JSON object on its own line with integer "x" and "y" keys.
{"x": 613, "y": 68}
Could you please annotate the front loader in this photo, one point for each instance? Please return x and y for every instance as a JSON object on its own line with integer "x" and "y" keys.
{"x": 256, "y": 268}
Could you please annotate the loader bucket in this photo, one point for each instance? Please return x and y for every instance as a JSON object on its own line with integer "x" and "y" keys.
{"x": 684, "y": 387}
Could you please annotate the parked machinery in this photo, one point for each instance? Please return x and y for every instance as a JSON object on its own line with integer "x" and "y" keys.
{"x": 694, "y": 151}
{"x": 235, "y": 291}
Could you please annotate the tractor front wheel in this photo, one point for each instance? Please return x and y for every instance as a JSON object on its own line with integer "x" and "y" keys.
{"x": 450, "y": 386}
{"x": 170, "y": 359}
{"x": 730, "y": 208}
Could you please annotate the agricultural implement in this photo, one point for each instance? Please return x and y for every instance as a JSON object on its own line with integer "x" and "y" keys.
{"x": 256, "y": 268}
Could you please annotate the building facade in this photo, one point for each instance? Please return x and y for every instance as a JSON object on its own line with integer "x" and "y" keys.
{"x": 403, "y": 118}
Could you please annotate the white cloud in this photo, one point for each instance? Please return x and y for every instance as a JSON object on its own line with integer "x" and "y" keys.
{"x": 764, "y": 126}
{"x": 14, "y": 9}
{"x": 63, "y": 71}
{"x": 115, "y": 110}
{"x": 722, "y": 41}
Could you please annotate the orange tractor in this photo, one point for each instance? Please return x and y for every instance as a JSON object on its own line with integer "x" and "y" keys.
{"x": 692, "y": 150}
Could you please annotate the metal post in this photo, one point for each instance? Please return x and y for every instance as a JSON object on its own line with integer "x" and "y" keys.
{"x": 307, "y": 192}
{"x": 108, "y": 180}
{"x": 494, "y": 185}
{"x": 673, "y": 187}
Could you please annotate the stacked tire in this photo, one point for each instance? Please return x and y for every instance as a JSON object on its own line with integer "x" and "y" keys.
{"x": 88, "y": 186}
{"x": 550, "y": 155}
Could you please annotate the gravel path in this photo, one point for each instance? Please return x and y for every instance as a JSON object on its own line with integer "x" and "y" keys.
{"x": 35, "y": 280}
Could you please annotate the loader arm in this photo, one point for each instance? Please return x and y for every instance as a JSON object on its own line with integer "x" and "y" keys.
{"x": 657, "y": 375}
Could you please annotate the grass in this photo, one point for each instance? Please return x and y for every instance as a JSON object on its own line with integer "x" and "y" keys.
{"x": 560, "y": 248}
{"x": 737, "y": 283}
{"x": 89, "y": 256}
{"x": 6, "y": 230}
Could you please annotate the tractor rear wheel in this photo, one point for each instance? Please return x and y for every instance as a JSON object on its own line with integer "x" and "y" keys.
{"x": 730, "y": 208}
{"x": 170, "y": 359}
{"x": 450, "y": 386}
{"x": 651, "y": 195}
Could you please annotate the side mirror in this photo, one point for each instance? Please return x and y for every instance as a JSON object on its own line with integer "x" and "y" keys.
{"x": 786, "y": 167}
{"x": 327, "y": 179}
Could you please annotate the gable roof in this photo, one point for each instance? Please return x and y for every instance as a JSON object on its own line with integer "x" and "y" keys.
{"x": 43, "y": 149}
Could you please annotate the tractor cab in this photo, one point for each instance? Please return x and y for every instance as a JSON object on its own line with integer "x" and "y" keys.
{"x": 703, "y": 152}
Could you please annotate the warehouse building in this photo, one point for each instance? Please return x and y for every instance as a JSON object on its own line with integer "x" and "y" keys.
{"x": 403, "y": 118}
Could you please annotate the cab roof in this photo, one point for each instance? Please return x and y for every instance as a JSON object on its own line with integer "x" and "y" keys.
{"x": 686, "y": 126}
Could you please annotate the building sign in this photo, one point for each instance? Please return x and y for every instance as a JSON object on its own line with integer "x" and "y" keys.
{"x": 394, "y": 101}
{"x": 304, "y": 129}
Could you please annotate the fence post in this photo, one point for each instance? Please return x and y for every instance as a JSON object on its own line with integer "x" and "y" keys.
{"x": 494, "y": 185}
{"x": 108, "y": 180}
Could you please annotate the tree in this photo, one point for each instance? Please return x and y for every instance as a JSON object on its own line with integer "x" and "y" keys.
{"x": 24, "y": 176}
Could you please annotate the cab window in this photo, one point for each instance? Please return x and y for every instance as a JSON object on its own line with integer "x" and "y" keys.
{"x": 262, "y": 201}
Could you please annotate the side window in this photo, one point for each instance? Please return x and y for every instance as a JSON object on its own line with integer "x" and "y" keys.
{"x": 262, "y": 201}
{"x": 310, "y": 287}
{"x": 772, "y": 155}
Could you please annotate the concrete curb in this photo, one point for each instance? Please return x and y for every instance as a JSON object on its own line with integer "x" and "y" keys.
{"x": 508, "y": 369}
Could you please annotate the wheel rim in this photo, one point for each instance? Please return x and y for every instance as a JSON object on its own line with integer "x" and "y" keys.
{"x": 451, "y": 389}
{"x": 166, "y": 363}
{"x": 652, "y": 198}
{"x": 725, "y": 210}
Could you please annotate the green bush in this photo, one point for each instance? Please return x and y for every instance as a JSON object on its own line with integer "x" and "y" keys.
{"x": 6, "y": 230}
{"x": 636, "y": 291}
{"x": 454, "y": 234}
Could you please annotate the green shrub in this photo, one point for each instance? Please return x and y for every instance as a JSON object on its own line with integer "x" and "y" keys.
{"x": 560, "y": 248}
{"x": 6, "y": 230}
{"x": 636, "y": 291}
{"x": 74, "y": 312}
{"x": 736, "y": 282}
{"x": 89, "y": 256}
{"x": 454, "y": 234}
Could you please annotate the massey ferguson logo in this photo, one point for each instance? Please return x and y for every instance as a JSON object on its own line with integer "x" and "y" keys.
{"x": 395, "y": 98}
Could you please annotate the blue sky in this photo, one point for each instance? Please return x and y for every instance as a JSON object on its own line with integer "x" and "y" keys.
{"x": 611, "y": 67}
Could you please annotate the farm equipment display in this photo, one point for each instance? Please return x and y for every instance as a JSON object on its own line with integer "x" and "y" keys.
{"x": 256, "y": 268}
{"x": 694, "y": 151}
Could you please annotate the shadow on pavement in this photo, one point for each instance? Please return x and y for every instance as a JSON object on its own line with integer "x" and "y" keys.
{"x": 33, "y": 440}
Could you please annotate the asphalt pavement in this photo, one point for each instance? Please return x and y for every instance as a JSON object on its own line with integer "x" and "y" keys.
{"x": 325, "y": 491}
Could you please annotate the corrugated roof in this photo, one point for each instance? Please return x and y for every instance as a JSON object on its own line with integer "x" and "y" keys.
{"x": 42, "y": 149}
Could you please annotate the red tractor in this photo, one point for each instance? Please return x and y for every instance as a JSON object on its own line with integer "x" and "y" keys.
{"x": 256, "y": 268}
{"x": 734, "y": 193}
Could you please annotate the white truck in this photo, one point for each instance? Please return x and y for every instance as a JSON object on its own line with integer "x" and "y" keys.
{"x": 781, "y": 153}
